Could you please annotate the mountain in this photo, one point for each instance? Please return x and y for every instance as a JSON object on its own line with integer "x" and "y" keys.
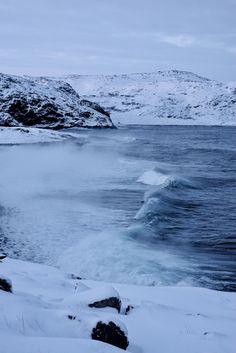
{"x": 44, "y": 103}
{"x": 160, "y": 98}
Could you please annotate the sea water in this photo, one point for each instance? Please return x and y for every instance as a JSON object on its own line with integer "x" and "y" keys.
{"x": 151, "y": 205}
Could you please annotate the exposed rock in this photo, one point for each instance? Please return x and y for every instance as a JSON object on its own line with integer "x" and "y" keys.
{"x": 101, "y": 297}
{"x": 94, "y": 106}
{"x": 5, "y": 284}
{"x": 128, "y": 309}
{"x": 71, "y": 317}
{"x": 112, "y": 302}
{"x": 45, "y": 103}
{"x": 110, "y": 333}
{"x": 2, "y": 256}
{"x": 73, "y": 276}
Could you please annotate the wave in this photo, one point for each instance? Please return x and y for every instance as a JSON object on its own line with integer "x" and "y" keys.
{"x": 168, "y": 196}
{"x": 134, "y": 254}
{"x": 153, "y": 177}
{"x": 120, "y": 256}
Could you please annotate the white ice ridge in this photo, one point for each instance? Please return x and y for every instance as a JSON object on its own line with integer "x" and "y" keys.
{"x": 34, "y": 317}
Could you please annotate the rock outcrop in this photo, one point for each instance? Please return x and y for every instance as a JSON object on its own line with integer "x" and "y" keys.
{"x": 5, "y": 284}
{"x": 110, "y": 333}
{"x": 2, "y": 256}
{"x": 112, "y": 302}
{"x": 102, "y": 297}
{"x": 45, "y": 103}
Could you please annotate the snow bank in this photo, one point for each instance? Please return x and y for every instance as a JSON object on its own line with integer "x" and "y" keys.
{"x": 23, "y": 344}
{"x": 91, "y": 296}
{"x": 15, "y": 135}
{"x": 36, "y": 317}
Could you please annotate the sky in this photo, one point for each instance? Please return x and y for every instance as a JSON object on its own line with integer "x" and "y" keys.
{"x": 60, "y": 37}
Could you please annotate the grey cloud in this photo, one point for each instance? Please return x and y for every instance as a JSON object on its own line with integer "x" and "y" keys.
{"x": 103, "y": 36}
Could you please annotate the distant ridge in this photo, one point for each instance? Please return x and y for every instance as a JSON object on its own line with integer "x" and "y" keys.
{"x": 169, "y": 97}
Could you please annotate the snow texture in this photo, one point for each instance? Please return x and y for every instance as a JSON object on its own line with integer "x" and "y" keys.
{"x": 39, "y": 316}
{"x": 22, "y": 135}
{"x": 45, "y": 103}
{"x": 160, "y": 98}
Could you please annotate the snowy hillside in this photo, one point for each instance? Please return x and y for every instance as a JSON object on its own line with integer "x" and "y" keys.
{"x": 160, "y": 98}
{"x": 44, "y": 103}
{"x": 45, "y": 310}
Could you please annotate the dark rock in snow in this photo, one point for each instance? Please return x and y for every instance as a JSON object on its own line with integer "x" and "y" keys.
{"x": 110, "y": 333}
{"x": 45, "y": 103}
{"x": 128, "y": 309}
{"x": 71, "y": 317}
{"x": 5, "y": 284}
{"x": 73, "y": 276}
{"x": 112, "y": 302}
{"x": 2, "y": 256}
{"x": 87, "y": 104}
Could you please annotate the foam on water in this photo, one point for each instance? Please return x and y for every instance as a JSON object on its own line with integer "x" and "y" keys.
{"x": 153, "y": 177}
{"x": 124, "y": 255}
{"x": 161, "y": 197}
{"x": 118, "y": 256}
{"x": 121, "y": 208}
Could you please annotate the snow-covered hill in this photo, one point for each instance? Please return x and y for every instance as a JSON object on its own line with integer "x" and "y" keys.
{"x": 160, "y": 98}
{"x": 45, "y": 103}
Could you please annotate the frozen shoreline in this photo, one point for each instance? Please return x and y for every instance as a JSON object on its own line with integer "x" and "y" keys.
{"x": 23, "y": 135}
{"x": 164, "y": 319}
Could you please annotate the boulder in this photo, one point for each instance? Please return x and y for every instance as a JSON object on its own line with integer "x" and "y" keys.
{"x": 128, "y": 309}
{"x": 2, "y": 256}
{"x": 99, "y": 297}
{"x": 112, "y": 302}
{"x": 5, "y": 284}
{"x": 110, "y": 333}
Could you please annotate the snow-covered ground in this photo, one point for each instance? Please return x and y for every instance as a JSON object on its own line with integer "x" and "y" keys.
{"x": 160, "y": 98}
{"x": 48, "y": 310}
{"x": 22, "y": 135}
{"x": 43, "y": 103}
{"x": 34, "y": 317}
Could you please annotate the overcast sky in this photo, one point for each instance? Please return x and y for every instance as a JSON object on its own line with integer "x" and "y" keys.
{"x": 56, "y": 37}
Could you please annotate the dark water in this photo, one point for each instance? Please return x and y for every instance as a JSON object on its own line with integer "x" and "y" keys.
{"x": 174, "y": 226}
{"x": 195, "y": 213}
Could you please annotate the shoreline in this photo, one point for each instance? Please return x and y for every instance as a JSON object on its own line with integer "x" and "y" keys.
{"x": 182, "y": 319}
